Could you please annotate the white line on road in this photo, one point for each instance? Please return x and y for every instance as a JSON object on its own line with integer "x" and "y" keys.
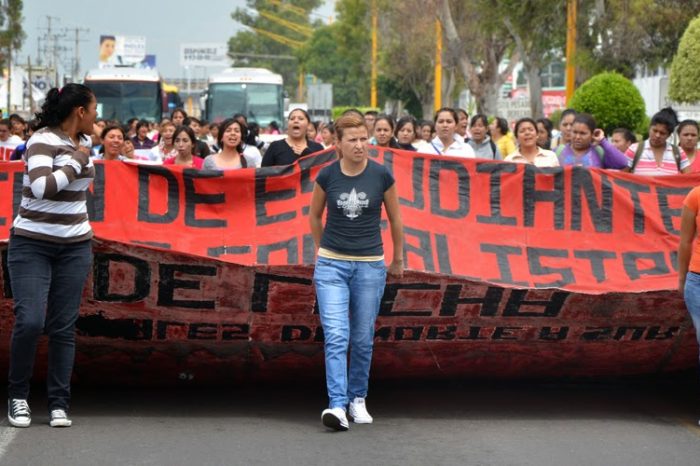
{"x": 7, "y": 434}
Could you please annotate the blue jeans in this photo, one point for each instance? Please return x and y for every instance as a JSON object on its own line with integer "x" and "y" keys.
{"x": 691, "y": 293}
{"x": 47, "y": 284}
{"x": 348, "y": 294}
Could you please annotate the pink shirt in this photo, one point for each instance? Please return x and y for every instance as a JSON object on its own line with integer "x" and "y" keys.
{"x": 197, "y": 162}
{"x": 647, "y": 165}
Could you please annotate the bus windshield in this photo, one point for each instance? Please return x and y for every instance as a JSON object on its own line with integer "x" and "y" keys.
{"x": 261, "y": 103}
{"x": 119, "y": 100}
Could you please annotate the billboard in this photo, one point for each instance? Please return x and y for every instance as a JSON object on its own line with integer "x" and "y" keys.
{"x": 121, "y": 50}
{"x": 204, "y": 54}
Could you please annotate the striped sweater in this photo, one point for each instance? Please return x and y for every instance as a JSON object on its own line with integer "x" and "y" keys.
{"x": 54, "y": 189}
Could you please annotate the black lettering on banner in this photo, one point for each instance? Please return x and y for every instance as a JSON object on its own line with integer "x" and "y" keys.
{"x": 424, "y": 249}
{"x": 218, "y": 251}
{"x": 98, "y": 325}
{"x": 261, "y": 288}
{"x": 305, "y": 165}
{"x": 597, "y": 333}
{"x": 667, "y": 213}
{"x": 95, "y": 198}
{"x": 192, "y": 198}
{"x": 230, "y": 332}
{"x": 532, "y": 195}
{"x": 600, "y": 212}
{"x": 101, "y": 278}
{"x": 408, "y": 333}
{"x": 17, "y": 184}
{"x": 630, "y": 260}
{"x": 154, "y": 244}
{"x": 550, "y": 334}
{"x": 474, "y": 334}
{"x": 495, "y": 181}
{"x": 441, "y": 333}
{"x": 636, "y": 335}
{"x": 489, "y": 303}
{"x": 144, "y": 214}
{"x": 534, "y": 259}
{"x": 167, "y": 284}
{"x": 163, "y": 325}
{"x": 202, "y": 331}
{"x": 291, "y": 246}
{"x": 552, "y": 307}
{"x": 382, "y": 333}
{"x": 6, "y": 285}
{"x": 502, "y": 252}
{"x": 308, "y": 250}
{"x": 505, "y": 333}
{"x": 673, "y": 258}
{"x": 389, "y": 299}
{"x": 295, "y": 333}
{"x": 655, "y": 333}
{"x": 436, "y": 167}
{"x": 263, "y": 197}
{"x": 417, "y": 176}
{"x": 596, "y": 257}
{"x": 443, "y": 254}
{"x": 3, "y": 177}
{"x": 634, "y": 189}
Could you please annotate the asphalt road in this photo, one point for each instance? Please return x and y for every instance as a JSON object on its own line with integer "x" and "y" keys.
{"x": 618, "y": 422}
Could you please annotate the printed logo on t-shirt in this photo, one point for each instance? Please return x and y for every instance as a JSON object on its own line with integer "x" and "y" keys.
{"x": 353, "y": 203}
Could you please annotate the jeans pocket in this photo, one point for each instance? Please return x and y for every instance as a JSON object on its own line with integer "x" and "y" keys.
{"x": 377, "y": 264}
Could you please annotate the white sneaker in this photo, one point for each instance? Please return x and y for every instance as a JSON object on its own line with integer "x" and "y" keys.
{"x": 335, "y": 418}
{"x": 59, "y": 418}
{"x": 18, "y": 412}
{"x": 357, "y": 409}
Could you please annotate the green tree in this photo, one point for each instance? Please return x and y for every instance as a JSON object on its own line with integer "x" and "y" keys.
{"x": 478, "y": 42}
{"x": 685, "y": 70}
{"x": 12, "y": 34}
{"x": 539, "y": 32}
{"x": 340, "y": 53}
{"x": 253, "y": 47}
{"x": 622, "y": 35}
{"x": 613, "y": 101}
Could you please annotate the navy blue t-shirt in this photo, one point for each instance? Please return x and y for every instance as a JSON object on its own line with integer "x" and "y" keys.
{"x": 354, "y": 206}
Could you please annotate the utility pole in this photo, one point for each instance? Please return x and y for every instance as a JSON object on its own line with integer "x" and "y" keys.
{"x": 437, "y": 100}
{"x": 570, "y": 49}
{"x": 76, "y": 51}
{"x": 373, "y": 74}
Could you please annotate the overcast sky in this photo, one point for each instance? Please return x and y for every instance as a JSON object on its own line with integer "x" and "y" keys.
{"x": 165, "y": 24}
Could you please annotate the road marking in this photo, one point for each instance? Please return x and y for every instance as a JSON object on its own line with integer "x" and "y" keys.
{"x": 7, "y": 434}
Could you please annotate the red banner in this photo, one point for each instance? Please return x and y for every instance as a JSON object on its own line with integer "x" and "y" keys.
{"x": 513, "y": 271}
{"x": 576, "y": 229}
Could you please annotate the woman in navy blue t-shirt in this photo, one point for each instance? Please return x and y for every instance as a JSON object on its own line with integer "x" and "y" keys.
{"x": 350, "y": 273}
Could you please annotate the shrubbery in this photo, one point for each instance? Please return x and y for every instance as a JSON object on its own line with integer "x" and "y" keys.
{"x": 685, "y": 70}
{"x": 613, "y": 101}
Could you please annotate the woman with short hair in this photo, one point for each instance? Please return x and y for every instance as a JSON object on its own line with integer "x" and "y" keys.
{"x": 528, "y": 152}
{"x": 350, "y": 274}
{"x": 296, "y": 145}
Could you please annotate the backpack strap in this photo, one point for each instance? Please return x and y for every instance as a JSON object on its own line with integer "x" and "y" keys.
{"x": 637, "y": 155}
{"x": 601, "y": 154}
{"x": 677, "y": 156}
{"x": 559, "y": 149}
{"x": 493, "y": 148}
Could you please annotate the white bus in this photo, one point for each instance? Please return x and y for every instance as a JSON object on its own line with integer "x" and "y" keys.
{"x": 257, "y": 93}
{"x": 124, "y": 93}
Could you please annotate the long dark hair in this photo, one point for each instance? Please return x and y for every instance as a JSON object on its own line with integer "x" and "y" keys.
{"x": 59, "y": 104}
{"x": 224, "y": 126}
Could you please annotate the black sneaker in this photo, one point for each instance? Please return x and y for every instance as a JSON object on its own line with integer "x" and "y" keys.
{"x": 59, "y": 418}
{"x": 18, "y": 412}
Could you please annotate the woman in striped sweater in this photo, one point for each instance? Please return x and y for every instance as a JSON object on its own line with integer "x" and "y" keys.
{"x": 50, "y": 253}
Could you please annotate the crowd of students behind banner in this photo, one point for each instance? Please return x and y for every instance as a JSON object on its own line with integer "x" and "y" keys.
{"x": 670, "y": 148}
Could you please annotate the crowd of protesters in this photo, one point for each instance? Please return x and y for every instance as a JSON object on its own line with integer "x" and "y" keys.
{"x": 235, "y": 143}
{"x": 50, "y": 238}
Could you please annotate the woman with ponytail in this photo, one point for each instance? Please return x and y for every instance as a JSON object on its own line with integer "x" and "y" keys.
{"x": 50, "y": 253}
{"x": 656, "y": 156}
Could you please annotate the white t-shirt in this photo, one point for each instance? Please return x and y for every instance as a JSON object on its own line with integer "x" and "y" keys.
{"x": 458, "y": 148}
{"x": 9, "y": 146}
{"x": 252, "y": 156}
